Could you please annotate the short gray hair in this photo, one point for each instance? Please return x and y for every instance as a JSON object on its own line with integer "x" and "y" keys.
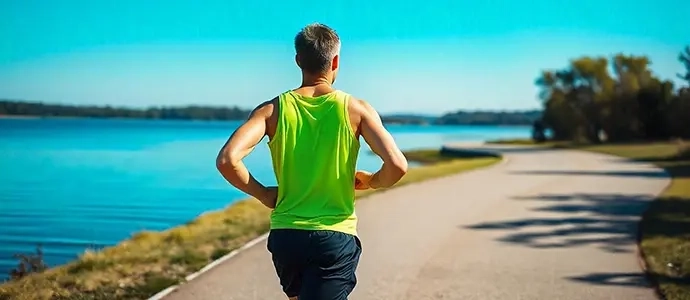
{"x": 316, "y": 46}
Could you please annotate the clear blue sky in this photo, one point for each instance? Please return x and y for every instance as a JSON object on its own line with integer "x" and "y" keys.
{"x": 402, "y": 56}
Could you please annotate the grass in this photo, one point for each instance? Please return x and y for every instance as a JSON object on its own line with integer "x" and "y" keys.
{"x": 149, "y": 261}
{"x": 513, "y": 142}
{"x": 529, "y": 142}
{"x": 665, "y": 226}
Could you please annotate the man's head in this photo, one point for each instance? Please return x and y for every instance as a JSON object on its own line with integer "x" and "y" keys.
{"x": 318, "y": 50}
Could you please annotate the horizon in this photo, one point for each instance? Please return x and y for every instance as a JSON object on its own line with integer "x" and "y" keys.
{"x": 220, "y": 106}
{"x": 470, "y": 56}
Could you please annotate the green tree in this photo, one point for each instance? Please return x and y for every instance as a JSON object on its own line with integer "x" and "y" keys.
{"x": 585, "y": 99}
{"x": 625, "y": 119}
{"x": 684, "y": 58}
{"x": 678, "y": 108}
{"x": 558, "y": 115}
{"x": 573, "y": 97}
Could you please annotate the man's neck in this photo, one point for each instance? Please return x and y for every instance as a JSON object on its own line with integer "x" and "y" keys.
{"x": 311, "y": 80}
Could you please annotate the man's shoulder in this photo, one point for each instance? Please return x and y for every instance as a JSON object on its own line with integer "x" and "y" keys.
{"x": 352, "y": 100}
{"x": 266, "y": 108}
{"x": 359, "y": 104}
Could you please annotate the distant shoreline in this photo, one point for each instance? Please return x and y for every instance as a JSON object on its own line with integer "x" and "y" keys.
{"x": 34, "y": 117}
{"x": 38, "y": 117}
{"x": 196, "y": 112}
{"x": 19, "y": 117}
{"x": 36, "y": 110}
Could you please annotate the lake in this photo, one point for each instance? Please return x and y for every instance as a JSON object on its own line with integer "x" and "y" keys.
{"x": 71, "y": 184}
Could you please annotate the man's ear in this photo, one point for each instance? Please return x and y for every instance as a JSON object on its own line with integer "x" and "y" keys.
{"x": 335, "y": 62}
{"x": 297, "y": 60}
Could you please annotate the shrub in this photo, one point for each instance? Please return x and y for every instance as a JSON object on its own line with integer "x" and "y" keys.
{"x": 683, "y": 150}
{"x": 29, "y": 263}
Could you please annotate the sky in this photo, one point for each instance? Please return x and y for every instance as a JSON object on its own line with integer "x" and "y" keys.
{"x": 401, "y": 56}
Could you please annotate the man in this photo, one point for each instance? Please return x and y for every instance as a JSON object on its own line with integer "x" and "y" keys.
{"x": 313, "y": 135}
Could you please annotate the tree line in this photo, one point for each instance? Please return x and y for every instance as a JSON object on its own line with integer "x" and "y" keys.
{"x": 595, "y": 99}
{"x": 19, "y": 108}
{"x": 191, "y": 112}
{"x": 489, "y": 118}
{"x": 463, "y": 117}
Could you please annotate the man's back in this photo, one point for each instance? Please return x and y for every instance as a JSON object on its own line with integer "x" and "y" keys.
{"x": 314, "y": 140}
{"x": 314, "y": 149}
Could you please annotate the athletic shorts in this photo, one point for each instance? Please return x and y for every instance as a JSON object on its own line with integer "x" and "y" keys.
{"x": 315, "y": 264}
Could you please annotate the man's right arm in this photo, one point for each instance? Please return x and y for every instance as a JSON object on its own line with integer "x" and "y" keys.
{"x": 382, "y": 144}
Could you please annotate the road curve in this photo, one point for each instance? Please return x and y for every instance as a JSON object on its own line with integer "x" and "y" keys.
{"x": 543, "y": 224}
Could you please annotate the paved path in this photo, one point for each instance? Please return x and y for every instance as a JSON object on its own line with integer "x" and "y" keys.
{"x": 544, "y": 224}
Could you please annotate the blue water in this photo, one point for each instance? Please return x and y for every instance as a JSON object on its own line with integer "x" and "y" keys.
{"x": 71, "y": 184}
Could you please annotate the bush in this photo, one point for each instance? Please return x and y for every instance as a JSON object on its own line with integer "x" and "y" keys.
{"x": 28, "y": 263}
{"x": 538, "y": 132}
{"x": 683, "y": 150}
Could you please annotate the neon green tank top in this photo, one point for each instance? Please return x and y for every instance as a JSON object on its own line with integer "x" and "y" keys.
{"x": 314, "y": 153}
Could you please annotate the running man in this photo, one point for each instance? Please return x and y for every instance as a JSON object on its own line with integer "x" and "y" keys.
{"x": 313, "y": 135}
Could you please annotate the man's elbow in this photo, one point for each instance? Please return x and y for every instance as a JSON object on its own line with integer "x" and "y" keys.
{"x": 391, "y": 172}
{"x": 400, "y": 167}
{"x": 397, "y": 168}
{"x": 226, "y": 161}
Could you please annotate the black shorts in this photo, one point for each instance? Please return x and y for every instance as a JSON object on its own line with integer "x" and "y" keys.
{"x": 315, "y": 264}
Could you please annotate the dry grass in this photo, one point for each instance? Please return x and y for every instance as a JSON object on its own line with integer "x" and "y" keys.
{"x": 684, "y": 150}
{"x": 151, "y": 261}
{"x": 148, "y": 262}
{"x": 439, "y": 165}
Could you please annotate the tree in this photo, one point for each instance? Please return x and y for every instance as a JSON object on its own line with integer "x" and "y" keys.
{"x": 635, "y": 104}
{"x": 572, "y": 97}
{"x": 584, "y": 100}
{"x": 684, "y": 58}
{"x": 558, "y": 114}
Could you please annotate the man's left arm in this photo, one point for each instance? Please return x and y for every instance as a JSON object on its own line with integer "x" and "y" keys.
{"x": 239, "y": 145}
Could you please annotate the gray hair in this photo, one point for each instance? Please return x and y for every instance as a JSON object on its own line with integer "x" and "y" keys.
{"x": 316, "y": 46}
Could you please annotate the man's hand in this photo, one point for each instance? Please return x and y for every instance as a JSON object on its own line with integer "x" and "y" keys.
{"x": 269, "y": 197}
{"x": 362, "y": 179}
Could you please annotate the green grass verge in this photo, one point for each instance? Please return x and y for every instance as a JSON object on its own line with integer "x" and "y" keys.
{"x": 529, "y": 142}
{"x": 665, "y": 226}
{"x": 149, "y": 262}
{"x": 512, "y": 142}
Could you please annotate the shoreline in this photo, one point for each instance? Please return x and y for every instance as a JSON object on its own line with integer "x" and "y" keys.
{"x": 151, "y": 261}
{"x": 20, "y": 117}
{"x": 39, "y": 117}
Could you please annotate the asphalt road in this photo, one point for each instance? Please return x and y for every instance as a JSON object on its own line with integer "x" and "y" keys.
{"x": 543, "y": 224}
